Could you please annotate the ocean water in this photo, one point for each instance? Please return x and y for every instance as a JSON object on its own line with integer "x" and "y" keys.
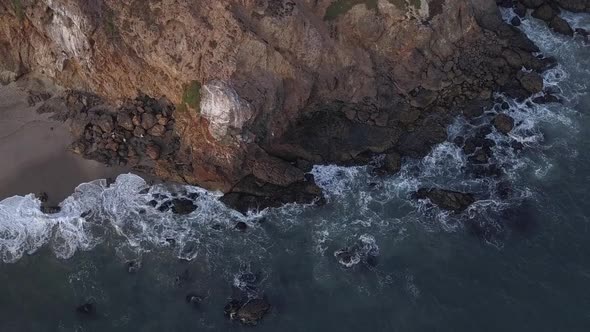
{"x": 517, "y": 260}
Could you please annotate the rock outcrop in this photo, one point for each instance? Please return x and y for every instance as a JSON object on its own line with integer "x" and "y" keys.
{"x": 256, "y": 91}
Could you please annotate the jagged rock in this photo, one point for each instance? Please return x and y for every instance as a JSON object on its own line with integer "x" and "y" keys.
{"x": 105, "y": 123}
{"x": 147, "y": 121}
{"x": 503, "y": 123}
{"x": 515, "y": 21}
{"x": 481, "y": 156}
{"x": 446, "y": 199}
{"x": 157, "y": 130}
{"x": 125, "y": 121}
{"x": 138, "y": 132}
{"x": 561, "y": 26}
{"x": 545, "y": 13}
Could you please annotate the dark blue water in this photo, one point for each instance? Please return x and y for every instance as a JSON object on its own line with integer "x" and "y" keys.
{"x": 524, "y": 267}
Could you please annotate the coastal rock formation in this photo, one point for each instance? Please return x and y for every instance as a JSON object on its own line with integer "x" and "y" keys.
{"x": 447, "y": 199}
{"x": 243, "y": 96}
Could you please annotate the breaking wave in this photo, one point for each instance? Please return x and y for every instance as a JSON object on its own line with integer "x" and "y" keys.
{"x": 363, "y": 210}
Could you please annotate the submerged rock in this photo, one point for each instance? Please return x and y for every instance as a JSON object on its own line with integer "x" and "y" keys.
{"x": 88, "y": 308}
{"x": 446, "y": 199}
{"x": 365, "y": 251}
{"x": 194, "y": 299}
{"x": 241, "y": 226}
{"x": 248, "y": 312}
{"x": 43, "y": 197}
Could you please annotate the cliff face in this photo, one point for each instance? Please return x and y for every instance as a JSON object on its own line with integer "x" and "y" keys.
{"x": 264, "y": 88}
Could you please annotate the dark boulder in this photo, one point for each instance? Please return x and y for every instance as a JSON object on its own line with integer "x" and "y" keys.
{"x": 157, "y": 130}
{"x": 531, "y": 82}
{"x": 545, "y": 13}
{"x": 515, "y": 21}
{"x": 532, "y": 3}
{"x": 503, "y": 123}
{"x": 446, "y": 199}
{"x": 574, "y": 5}
{"x": 520, "y": 10}
{"x": 560, "y": 25}
{"x": 546, "y": 99}
{"x": 248, "y": 312}
{"x": 183, "y": 206}
{"x": 241, "y": 226}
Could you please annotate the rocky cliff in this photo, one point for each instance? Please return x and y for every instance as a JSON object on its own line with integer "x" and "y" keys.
{"x": 244, "y": 96}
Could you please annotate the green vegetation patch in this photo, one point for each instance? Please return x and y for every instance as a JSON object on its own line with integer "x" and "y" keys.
{"x": 17, "y": 5}
{"x": 340, "y": 7}
{"x": 109, "y": 24}
{"x": 191, "y": 96}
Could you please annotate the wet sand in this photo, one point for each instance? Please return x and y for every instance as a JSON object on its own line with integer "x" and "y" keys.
{"x": 34, "y": 155}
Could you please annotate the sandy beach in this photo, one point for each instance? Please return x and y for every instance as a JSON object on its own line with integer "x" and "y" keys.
{"x": 34, "y": 155}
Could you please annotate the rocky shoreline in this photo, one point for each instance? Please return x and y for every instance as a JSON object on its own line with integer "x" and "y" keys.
{"x": 220, "y": 135}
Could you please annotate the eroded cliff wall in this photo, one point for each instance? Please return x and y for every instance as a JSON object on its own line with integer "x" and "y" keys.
{"x": 264, "y": 88}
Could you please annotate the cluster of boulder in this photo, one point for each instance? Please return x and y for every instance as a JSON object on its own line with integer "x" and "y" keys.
{"x": 247, "y": 305}
{"x": 548, "y": 11}
{"x": 139, "y": 131}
